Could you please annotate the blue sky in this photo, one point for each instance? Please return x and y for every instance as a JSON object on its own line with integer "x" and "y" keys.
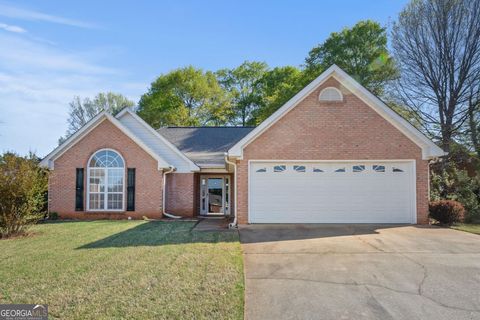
{"x": 51, "y": 51}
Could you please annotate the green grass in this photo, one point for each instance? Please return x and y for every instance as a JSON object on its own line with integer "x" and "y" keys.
{"x": 125, "y": 269}
{"x": 472, "y": 228}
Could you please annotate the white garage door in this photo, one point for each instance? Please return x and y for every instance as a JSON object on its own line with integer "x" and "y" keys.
{"x": 332, "y": 192}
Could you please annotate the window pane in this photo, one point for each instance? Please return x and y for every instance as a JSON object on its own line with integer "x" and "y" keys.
{"x": 106, "y": 158}
{"x": 227, "y": 191}
{"x": 279, "y": 168}
{"x": 299, "y": 168}
{"x": 358, "y": 168}
{"x": 98, "y": 159}
{"x": 317, "y": 170}
{"x": 113, "y": 160}
{"x": 378, "y": 168}
{"x": 395, "y": 169}
{"x": 115, "y": 201}
{"x": 96, "y": 201}
{"x": 97, "y": 180}
{"x": 340, "y": 170}
{"x": 115, "y": 180}
{"x": 262, "y": 170}
{"x": 106, "y": 181}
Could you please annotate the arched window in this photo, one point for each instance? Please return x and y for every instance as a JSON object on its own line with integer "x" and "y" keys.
{"x": 106, "y": 174}
{"x": 330, "y": 94}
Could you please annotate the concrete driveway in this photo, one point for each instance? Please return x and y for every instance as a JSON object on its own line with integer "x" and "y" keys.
{"x": 360, "y": 272}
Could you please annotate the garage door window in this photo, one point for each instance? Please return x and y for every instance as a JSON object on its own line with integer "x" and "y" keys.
{"x": 358, "y": 168}
{"x": 317, "y": 170}
{"x": 299, "y": 168}
{"x": 395, "y": 169}
{"x": 279, "y": 168}
{"x": 340, "y": 170}
{"x": 378, "y": 168}
{"x": 262, "y": 170}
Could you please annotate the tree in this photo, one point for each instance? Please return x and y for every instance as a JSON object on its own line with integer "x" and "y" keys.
{"x": 23, "y": 186}
{"x": 473, "y": 129}
{"x": 81, "y": 111}
{"x": 243, "y": 85}
{"x": 275, "y": 88}
{"x": 361, "y": 51}
{"x": 185, "y": 97}
{"x": 438, "y": 53}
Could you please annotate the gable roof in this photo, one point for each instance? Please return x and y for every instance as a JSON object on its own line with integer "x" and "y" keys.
{"x": 157, "y": 142}
{"x": 429, "y": 149}
{"x": 49, "y": 160}
{"x": 205, "y": 146}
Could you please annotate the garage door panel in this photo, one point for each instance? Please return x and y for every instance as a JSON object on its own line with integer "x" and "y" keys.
{"x": 329, "y": 196}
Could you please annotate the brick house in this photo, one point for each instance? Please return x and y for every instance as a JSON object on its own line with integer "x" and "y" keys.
{"x": 334, "y": 153}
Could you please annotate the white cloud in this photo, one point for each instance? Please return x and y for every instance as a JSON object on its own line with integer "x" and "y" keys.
{"x": 11, "y": 28}
{"x": 32, "y": 15}
{"x": 37, "y": 82}
{"x": 19, "y": 53}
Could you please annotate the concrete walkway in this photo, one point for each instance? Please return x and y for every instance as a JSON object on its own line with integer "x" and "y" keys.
{"x": 360, "y": 272}
{"x": 212, "y": 224}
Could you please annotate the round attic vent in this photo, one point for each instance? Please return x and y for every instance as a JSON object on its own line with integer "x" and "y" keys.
{"x": 330, "y": 94}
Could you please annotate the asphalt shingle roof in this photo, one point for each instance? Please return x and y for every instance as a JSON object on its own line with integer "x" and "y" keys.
{"x": 204, "y": 145}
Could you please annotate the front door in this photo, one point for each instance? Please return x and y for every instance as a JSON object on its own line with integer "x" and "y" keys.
{"x": 214, "y": 195}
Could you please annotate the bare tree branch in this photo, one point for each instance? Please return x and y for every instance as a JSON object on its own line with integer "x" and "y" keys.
{"x": 438, "y": 53}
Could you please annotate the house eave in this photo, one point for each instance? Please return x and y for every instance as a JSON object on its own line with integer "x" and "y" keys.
{"x": 429, "y": 149}
{"x": 49, "y": 160}
{"x": 192, "y": 166}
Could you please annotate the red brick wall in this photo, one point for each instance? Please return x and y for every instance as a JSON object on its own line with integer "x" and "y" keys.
{"x": 347, "y": 130}
{"x": 148, "y": 188}
{"x": 180, "y": 197}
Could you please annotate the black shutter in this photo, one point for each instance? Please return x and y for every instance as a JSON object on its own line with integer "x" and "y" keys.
{"x": 79, "y": 190}
{"x": 131, "y": 189}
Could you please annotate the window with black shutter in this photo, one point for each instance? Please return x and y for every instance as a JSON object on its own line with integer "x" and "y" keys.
{"x": 79, "y": 190}
{"x": 131, "y": 189}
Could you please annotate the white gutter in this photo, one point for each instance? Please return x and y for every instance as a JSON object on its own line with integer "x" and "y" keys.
{"x": 233, "y": 225}
{"x": 165, "y": 194}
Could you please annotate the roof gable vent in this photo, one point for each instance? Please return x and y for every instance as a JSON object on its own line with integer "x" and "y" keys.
{"x": 330, "y": 94}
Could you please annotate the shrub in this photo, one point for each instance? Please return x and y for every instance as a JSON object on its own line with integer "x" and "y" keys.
{"x": 447, "y": 211}
{"x": 452, "y": 183}
{"x": 53, "y": 215}
{"x": 22, "y": 193}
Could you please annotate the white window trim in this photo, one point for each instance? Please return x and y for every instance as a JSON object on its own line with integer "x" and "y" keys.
{"x": 106, "y": 185}
{"x": 224, "y": 194}
{"x": 329, "y": 100}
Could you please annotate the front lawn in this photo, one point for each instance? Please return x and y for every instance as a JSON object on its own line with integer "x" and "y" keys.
{"x": 125, "y": 269}
{"x": 472, "y": 228}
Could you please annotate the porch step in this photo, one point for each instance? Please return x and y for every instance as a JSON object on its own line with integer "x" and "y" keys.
{"x": 212, "y": 224}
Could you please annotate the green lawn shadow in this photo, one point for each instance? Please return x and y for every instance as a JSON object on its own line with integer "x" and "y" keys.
{"x": 158, "y": 233}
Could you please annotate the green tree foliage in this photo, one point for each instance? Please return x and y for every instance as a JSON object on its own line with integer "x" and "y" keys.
{"x": 243, "y": 84}
{"x": 276, "y": 87}
{"x": 458, "y": 178}
{"x": 185, "y": 97}
{"x": 81, "y": 111}
{"x": 23, "y": 186}
{"x": 452, "y": 183}
{"x": 361, "y": 51}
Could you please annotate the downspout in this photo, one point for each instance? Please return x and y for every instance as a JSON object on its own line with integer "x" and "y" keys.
{"x": 170, "y": 170}
{"x": 233, "y": 225}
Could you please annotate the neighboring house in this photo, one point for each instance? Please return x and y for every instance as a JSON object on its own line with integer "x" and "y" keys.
{"x": 334, "y": 153}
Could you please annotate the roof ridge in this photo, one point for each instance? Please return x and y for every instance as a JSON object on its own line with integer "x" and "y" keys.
{"x": 207, "y": 127}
